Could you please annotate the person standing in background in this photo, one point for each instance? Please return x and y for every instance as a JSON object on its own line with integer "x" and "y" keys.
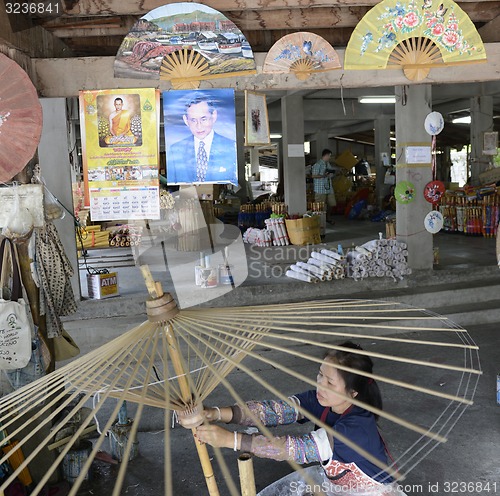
{"x": 322, "y": 179}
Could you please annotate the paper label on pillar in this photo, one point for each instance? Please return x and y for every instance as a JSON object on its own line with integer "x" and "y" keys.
{"x": 296, "y": 150}
{"x": 418, "y": 155}
{"x": 490, "y": 143}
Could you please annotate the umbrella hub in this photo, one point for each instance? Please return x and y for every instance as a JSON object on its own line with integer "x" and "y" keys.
{"x": 162, "y": 309}
{"x": 191, "y": 417}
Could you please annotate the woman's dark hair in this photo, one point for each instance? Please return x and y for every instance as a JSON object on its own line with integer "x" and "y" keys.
{"x": 367, "y": 389}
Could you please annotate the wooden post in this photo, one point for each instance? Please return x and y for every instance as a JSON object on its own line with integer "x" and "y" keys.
{"x": 155, "y": 291}
{"x": 247, "y": 478}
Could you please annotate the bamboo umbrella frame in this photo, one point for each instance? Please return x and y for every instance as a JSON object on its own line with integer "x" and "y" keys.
{"x": 176, "y": 359}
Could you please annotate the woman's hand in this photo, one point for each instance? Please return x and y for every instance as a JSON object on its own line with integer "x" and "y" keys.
{"x": 215, "y": 436}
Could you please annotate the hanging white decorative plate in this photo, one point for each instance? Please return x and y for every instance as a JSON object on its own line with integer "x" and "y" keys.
{"x": 434, "y": 123}
{"x": 433, "y": 221}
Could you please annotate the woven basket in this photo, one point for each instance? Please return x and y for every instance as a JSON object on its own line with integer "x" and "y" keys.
{"x": 305, "y": 231}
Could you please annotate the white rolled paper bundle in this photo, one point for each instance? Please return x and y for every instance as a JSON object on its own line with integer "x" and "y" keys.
{"x": 364, "y": 251}
{"x": 300, "y": 270}
{"x": 300, "y": 277}
{"x": 332, "y": 254}
{"x": 339, "y": 273}
{"x": 324, "y": 258}
{"x": 320, "y": 264}
{"x": 355, "y": 255}
{"x": 271, "y": 225}
{"x": 280, "y": 240}
{"x": 372, "y": 245}
{"x": 313, "y": 269}
{"x": 280, "y": 226}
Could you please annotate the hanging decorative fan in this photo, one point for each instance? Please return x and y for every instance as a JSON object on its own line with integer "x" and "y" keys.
{"x": 434, "y": 221}
{"x": 404, "y": 192}
{"x": 433, "y": 191}
{"x": 302, "y": 54}
{"x": 20, "y": 119}
{"x": 434, "y": 123}
{"x": 150, "y": 50}
{"x": 415, "y": 35}
{"x": 184, "y": 69}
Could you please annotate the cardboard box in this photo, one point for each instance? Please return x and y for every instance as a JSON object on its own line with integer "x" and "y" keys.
{"x": 305, "y": 231}
{"x": 102, "y": 286}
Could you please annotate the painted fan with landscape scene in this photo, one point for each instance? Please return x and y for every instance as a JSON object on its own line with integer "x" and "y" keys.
{"x": 184, "y": 43}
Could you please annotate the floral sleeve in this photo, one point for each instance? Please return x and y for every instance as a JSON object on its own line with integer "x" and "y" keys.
{"x": 270, "y": 412}
{"x": 307, "y": 448}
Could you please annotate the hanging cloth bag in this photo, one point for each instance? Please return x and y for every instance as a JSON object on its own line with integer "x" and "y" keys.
{"x": 15, "y": 330}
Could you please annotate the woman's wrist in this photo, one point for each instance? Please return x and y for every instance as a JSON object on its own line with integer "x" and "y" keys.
{"x": 221, "y": 414}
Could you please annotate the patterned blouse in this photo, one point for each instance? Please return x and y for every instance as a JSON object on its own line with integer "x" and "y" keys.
{"x": 357, "y": 424}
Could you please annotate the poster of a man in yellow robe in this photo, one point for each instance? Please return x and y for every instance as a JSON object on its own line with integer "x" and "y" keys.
{"x": 120, "y": 153}
{"x": 120, "y": 120}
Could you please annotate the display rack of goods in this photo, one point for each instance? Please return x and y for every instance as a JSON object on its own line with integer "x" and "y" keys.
{"x": 125, "y": 236}
{"x": 91, "y": 237}
{"x": 474, "y": 212}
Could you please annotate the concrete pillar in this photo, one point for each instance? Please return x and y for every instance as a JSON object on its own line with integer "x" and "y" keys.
{"x": 481, "y": 111}
{"x": 444, "y": 165}
{"x": 254, "y": 160}
{"x": 242, "y": 192}
{"x": 53, "y": 153}
{"x": 321, "y": 144}
{"x": 413, "y": 103}
{"x": 382, "y": 146}
{"x": 292, "y": 117}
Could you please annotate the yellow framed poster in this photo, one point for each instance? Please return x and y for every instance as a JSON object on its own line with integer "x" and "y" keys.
{"x": 120, "y": 151}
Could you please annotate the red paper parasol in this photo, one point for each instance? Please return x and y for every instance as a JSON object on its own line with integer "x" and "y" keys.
{"x": 433, "y": 191}
{"x": 20, "y": 119}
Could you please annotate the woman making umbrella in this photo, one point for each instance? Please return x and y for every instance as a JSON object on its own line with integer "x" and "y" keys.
{"x": 330, "y": 403}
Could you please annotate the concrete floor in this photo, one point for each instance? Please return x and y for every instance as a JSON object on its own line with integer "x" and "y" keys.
{"x": 469, "y": 457}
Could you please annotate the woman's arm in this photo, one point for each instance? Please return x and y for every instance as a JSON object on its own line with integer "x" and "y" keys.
{"x": 269, "y": 413}
{"x": 302, "y": 449}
